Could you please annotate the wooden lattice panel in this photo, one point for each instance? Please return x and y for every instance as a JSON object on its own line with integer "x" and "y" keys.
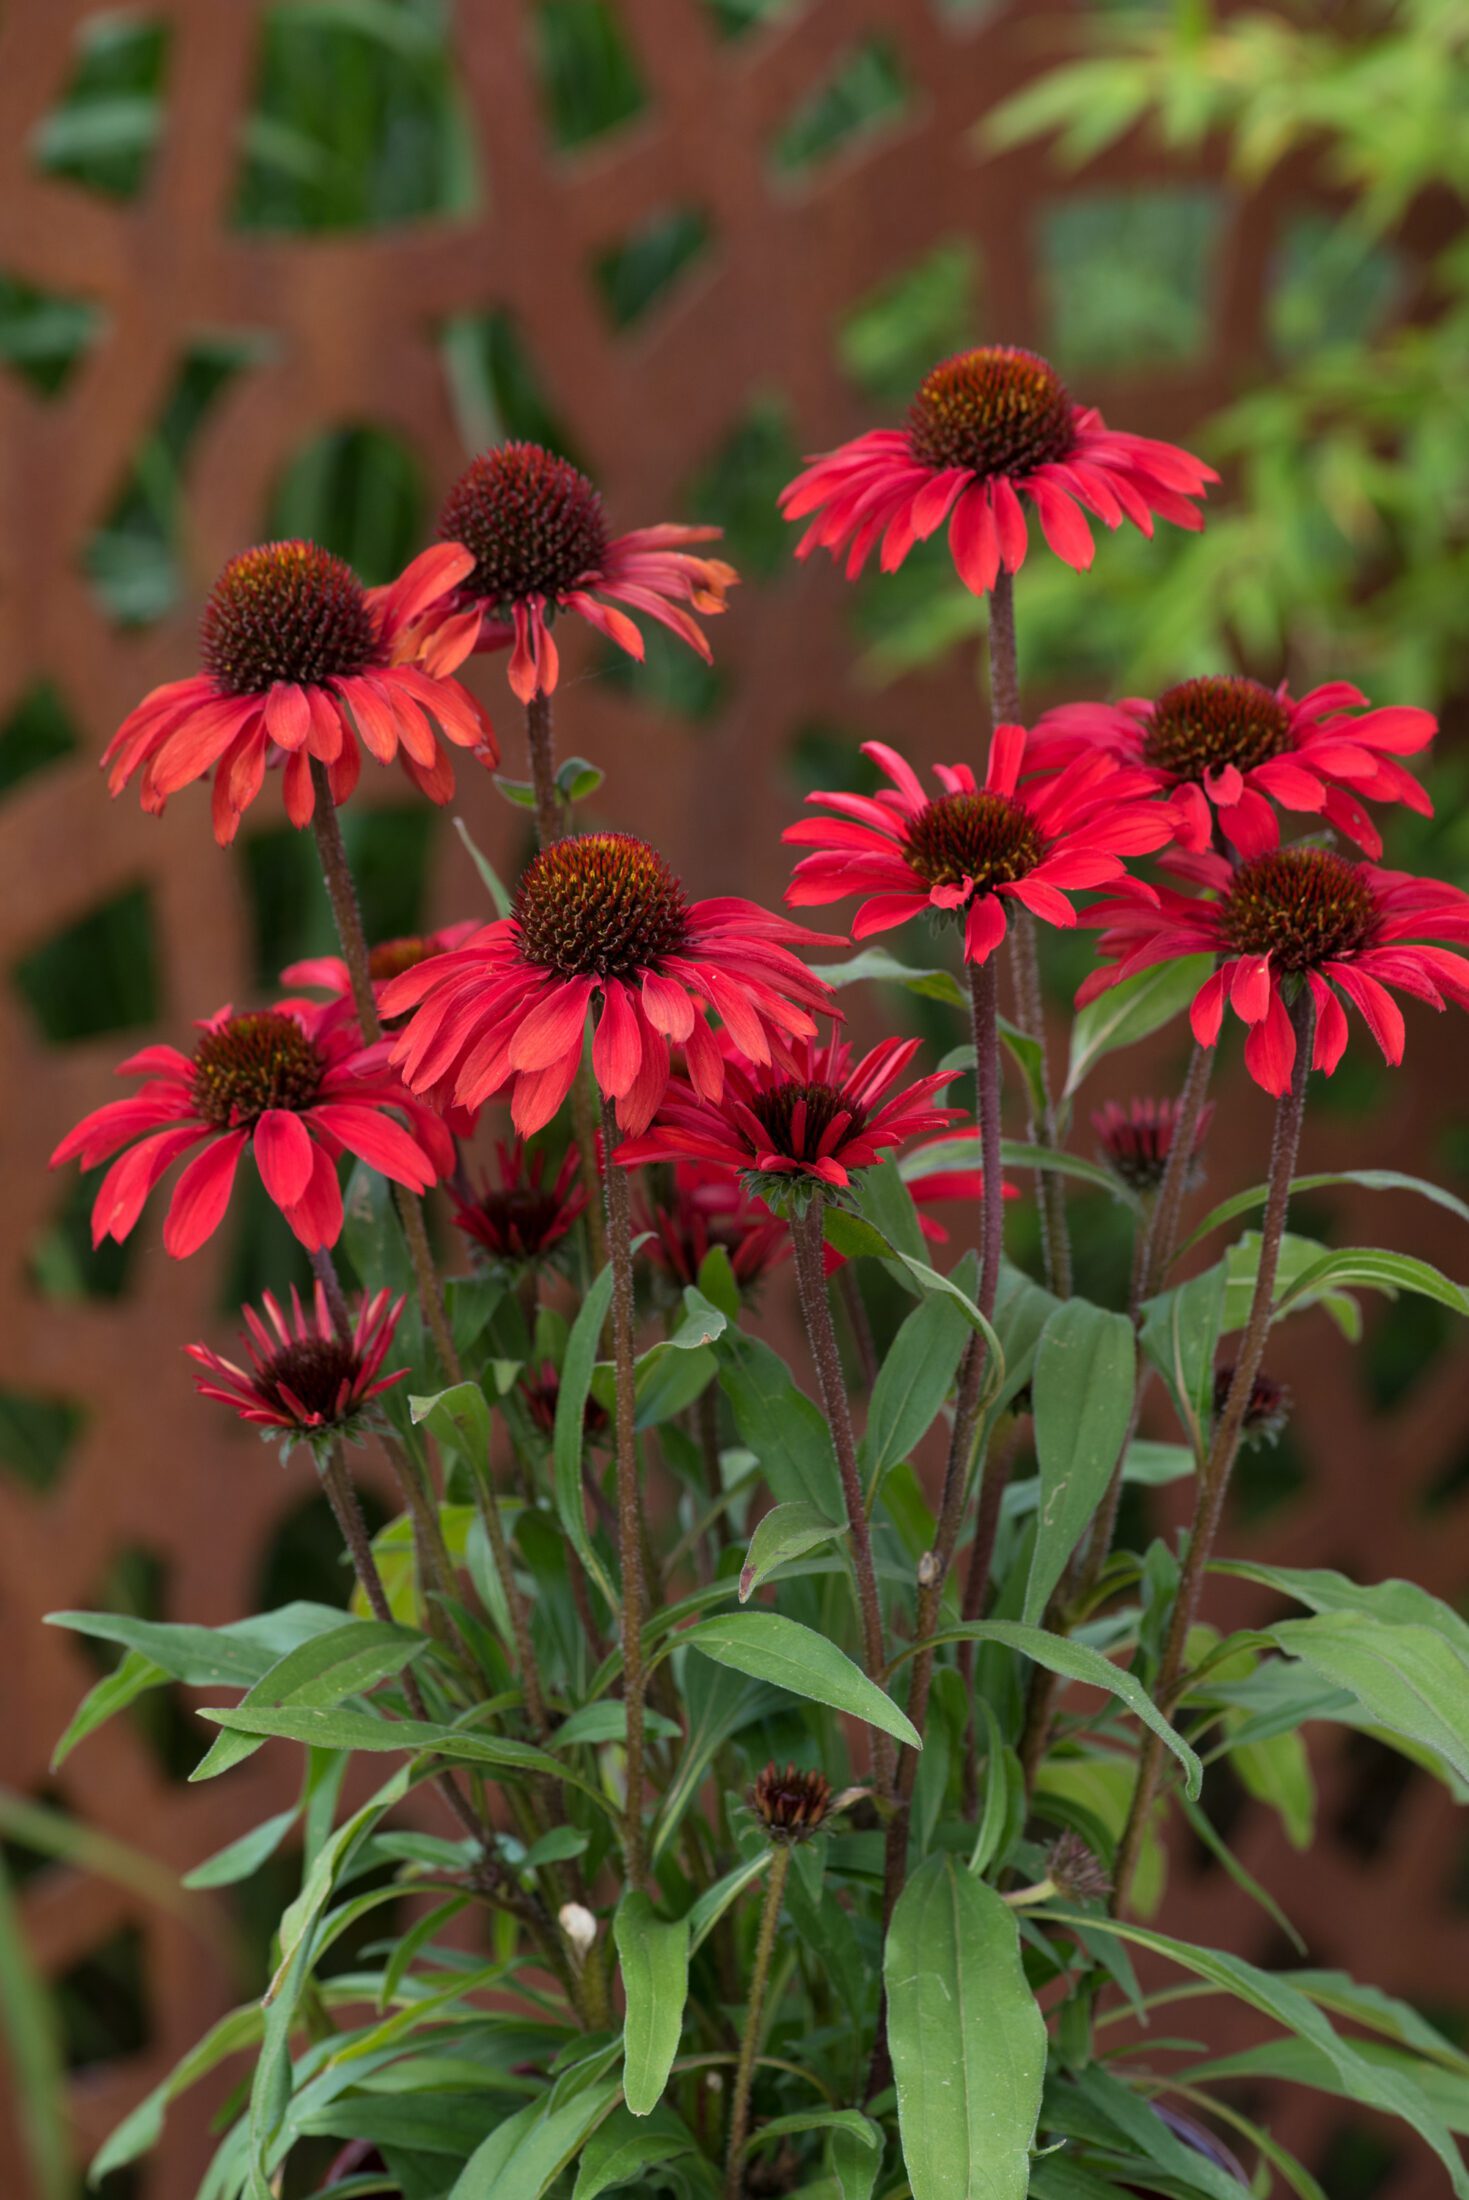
{"x": 351, "y": 326}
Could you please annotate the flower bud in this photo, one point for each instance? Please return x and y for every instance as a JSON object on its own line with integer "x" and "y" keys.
{"x": 578, "y": 1924}
{"x": 790, "y": 1804}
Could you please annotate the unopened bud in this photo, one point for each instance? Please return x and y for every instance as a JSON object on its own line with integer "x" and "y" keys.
{"x": 578, "y": 1924}
{"x": 790, "y": 1804}
{"x": 928, "y": 1570}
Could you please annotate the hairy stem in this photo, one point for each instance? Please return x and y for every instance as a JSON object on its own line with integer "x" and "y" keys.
{"x": 1224, "y": 1449}
{"x": 550, "y": 809}
{"x": 807, "y": 1241}
{"x": 629, "y": 1505}
{"x": 342, "y": 893}
{"x": 488, "y": 1503}
{"x": 739, "y": 2107}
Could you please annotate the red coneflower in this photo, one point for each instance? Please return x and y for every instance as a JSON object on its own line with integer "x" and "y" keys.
{"x": 793, "y": 1126}
{"x": 969, "y": 850}
{"x": 301, "y": 663}
{"x": 986, "y": 429}
{"x": 1137, "y": 1139}
{"x": 535, "y": 530}
{"x": 704, "y": 1206}
{"x": 599, "y": 918}
{"x": 305, "y": 1382}
{"x": 1299, "y": 914}
{"x": 541, "y": 1392}
{"x": 1231, "y": 747}
{"x": 1267, "y": 1409}
{"x": 296, "y": 1085}
{"x": 388, "y": 960}
{"x": 522, "y": 1218}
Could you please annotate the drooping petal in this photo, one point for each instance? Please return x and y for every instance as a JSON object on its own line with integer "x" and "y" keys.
{"x": 202, "y": 1195}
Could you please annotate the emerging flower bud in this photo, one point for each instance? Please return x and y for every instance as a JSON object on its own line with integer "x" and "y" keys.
{"x": 1267, "y": 1410}
{"x": 790, "y": 1804}
{"x": 578, "y": 1924}
{"x": 1075, "y": 1871}
{"x": 1136, "y": 1140}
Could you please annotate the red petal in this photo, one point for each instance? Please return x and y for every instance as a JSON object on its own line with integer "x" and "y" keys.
{"x": 202, "y": 1194}
{"x": 283, "y": 1155}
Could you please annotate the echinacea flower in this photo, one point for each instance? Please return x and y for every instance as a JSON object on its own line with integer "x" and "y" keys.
{"x": 1301, "y": 915}
{"x": 1267, "y": 1409}
{"x": 1136, "y": 1140}
{"x": 599, "y": 920}
{"x": 295, "y": 1085}
{"x": 522, "y": 1218}
{"x": 798, "y": 1127}
{"x": 969, "y": 850}
{"x": 388, "y": 960}
{"x": 703, "y": 1206}
{"x": 1228, "y": 747}
{"x": 535, "y": 529}
{"x": 540, "y": 1392}
{"x": 989, "y": 428}
{"x": 790, "y": 1805}
{"x": 302, "y": 664}
{"x": 305, "y": 1382}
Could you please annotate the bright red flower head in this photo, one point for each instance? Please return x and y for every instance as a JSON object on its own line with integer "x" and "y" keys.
{"x": 600, "y": 920}
{"x": 1231, "y": 748}
{"x": 301, "y": 662}
{"x": 522, "y": 1218}
{"x": 705, "y": 1206}
{"x": 295, "y": 1085}
{"x": 535, "y": 529}
{"x": 305, "y": 1382}
{"x": 388, "y": 960}
{"x": 1298, "y": 915}
{"x": 1137, "y": 1139}
{"x": 798, "y": 1125}
{"x": 969, "y": 850}
{"x": 986, "y": 429}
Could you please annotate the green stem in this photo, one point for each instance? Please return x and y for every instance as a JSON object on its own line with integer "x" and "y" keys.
{"x": 629, "y": 1506}
{"x": 739, "y": 2107}
{"x": 1224, "y": 1449}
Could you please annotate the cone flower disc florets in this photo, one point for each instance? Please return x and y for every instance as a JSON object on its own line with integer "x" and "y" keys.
{"x": 1300, "y": 915}
{"x": 970, "y": 850}
{"x": 306, "y": 1381}
{"x": 295, "y": 1085}
{"x": 303, "y": 664}
{"x": 601, "y": 923}
{"x": 1137, "y": 1139}
{"x": 1229, "y": 748}
{"x": 533, "y": 526}
{"x": 522, "y": 1217}
{"x": 989, "y": 432}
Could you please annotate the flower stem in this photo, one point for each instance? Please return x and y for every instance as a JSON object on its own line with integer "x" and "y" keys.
{"x": 1025, "y": 951}
{"x": 985, "y": 1018}
{"x": 629, "y": 1508}
{"x": 342, "y": 893}
{"x": 739, "y": 2107}
{"x": 550, "y": 808}
{"x": 488, "y": 1504}
{"x": 807, "y": 1241}
{"x": 1224, "y": 1449}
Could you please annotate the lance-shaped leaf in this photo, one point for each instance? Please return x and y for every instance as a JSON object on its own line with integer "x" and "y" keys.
{"x": 654, "y": 1954}
{"x": 785, "y": 1532}
{"x": 1085, "y": 1375}
{"x": 770, "y": 1647}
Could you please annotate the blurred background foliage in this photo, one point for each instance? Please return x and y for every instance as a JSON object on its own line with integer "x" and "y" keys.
{"x": 1339, "y": 547}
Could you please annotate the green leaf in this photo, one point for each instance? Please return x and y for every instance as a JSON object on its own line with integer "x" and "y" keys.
{"x": 854, "y": 2144}
{"x": 714, "y": 1901}
{"x": 606, "y": 1722}
{"x": 30, "y": 2022}
{"x": 363, "y": 1730}
{"x": 1371, "y": 1180}
{"x": 1371, "y": 1266}
{"x": 623, "y": 2147}
{"x": 1075, "y": 1661}
{"x": 1272, "y": 1995}
{"x": 459, "y": 1417}
{"x": 780, "y": 1425}
{"x": 1130, "y": 1011}
{"x": 1298, "y": 1255}
{"x": 1019, "y": 1153}
{"x": 519, "y": 793}
{"x": 786, "y": 1532}
{"x": 317, "y": 1674}
{"x": 860, "y": 1238}
{"x": 1085, "y": 1378}
{"x": 771, "y": 1648}
{"x": 571, "y": 1399}
{"x": 718, "y": 1283}
{"x": 133, "y": 1678}
{"x": 654, "y": 1955}
{"x": 968, "y": 2041}
{"x": 912, "y": 1384}
{"x": 876, "y": 963}
{"x": 489, "y": 876}
{"x": 1409, "y": 1680}
{"x": 578, "y": 779}
{"x": 141, "y": 2129}
{"x": 1180, "y": 1335}
{"x": 525, "y": 2156}
{"x": 1395, "y": 1603}
{"x": 240, "y": 1858}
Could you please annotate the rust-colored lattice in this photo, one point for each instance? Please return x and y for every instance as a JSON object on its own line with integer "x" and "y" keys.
{"x": 352, "y": 336}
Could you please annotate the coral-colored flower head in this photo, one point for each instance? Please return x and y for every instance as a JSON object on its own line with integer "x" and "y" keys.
{"x": 521, "y": 1217}
{"x": 970, "y": 849}
{"x": 800, "y": 1126}
{"x": 703, "y": 1206}
{"x": 535, "y": 528}
{"x": 305, "y": 1382}
{"x": 1136, "y": 1140}
{"x": 1230, "y": 748}
{"x": 302, "y": 663}
{"x": 388, "y": 960}
{"x": 1298, "y": 915}
{"x": 990, "y": 431}
{"x": 600, "y": 921}
{"x": 295, "y": 1085}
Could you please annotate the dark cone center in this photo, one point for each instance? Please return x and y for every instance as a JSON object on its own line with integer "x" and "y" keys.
{"x": 1204, "y": 725}
{"x": 1299, "y": 906}
{"x": 253, "y": 1063}
{"x": 287, "y": 611}
{"x": 796, "y": 1117}
{"x": 987, "y": 838}
{"x": 313, "y": 1369}
{"x": 600, "y": 905}
{"x": 533, "y": 521}
{"x": 998, "y": 410}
